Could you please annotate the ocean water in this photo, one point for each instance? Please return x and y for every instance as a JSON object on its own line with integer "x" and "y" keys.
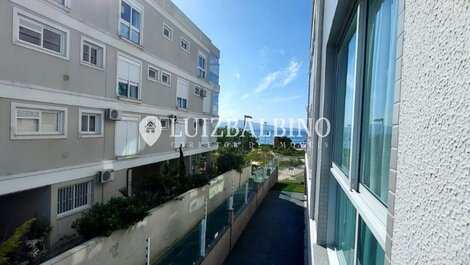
{"x": 267, "y": 136}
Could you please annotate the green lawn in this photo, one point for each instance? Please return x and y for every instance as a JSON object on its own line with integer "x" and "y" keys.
{"x": 291, "y": 187}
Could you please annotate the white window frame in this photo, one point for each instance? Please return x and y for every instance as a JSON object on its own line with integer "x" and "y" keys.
{"x": 80, "y": 208}
{"x": 128, "y": 117}
{"x": 140, "y": 87}
{"x": 138, "y": 7}
{"x": 170, "y": 29}
{"x": 201, "y": 54}
{"x": 90, "y": 134}
{"x": 97, "y": 44}
{"x": 169, "y": 78}
{"x": 62, "y": 122}
{"x": 167, "y": 122}
{"x": 185, "y": 82}
{"x": 65, "y": 39}
{"x": 183, "y": 39}
{"x": 153, "y": 68}
{"x": 67, "y": 5}
{"x": 367, "y": 206}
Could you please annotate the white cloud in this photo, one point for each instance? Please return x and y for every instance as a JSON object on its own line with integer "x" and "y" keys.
{"x": 237, "y": 75}
{"x": 281, "y": 78}
{"x": 284, "y": 99}
{"x": 266, "y": 82}
{"x": 291, "y": 72}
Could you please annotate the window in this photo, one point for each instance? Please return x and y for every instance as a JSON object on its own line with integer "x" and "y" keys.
{"x": 344, "y": 100}
{"x": 201, "y": 65}
{"x": 369, "y": 252}
{"x": 215, "y": 104}
{"x": 33, "y": 121}
{"x": 206, "y": 102}
{"x": 182, "y": 89}
{"x": 73, "y": 198}
{"x": 153, "y": 74}
{"x": 164, "y": 123}
{"x": 363, "y": 129}
{"x": 378, "y": 97}
{"x": 166, "y": 78}
{"x": 179, "y": 135}
{"x": 197, "y": 90}
{"x": 214, "y": 69}
{"x": 38, "y": 34}
{"x": 91, "y": 123}
{"x": 167, "y": 32}
{"x": 184, "y": 44}
{"x": 127, "y": 136}
{"x": 128, "y": 77}
{"x": 345, "y": 228}
{"x": 92, "y": 54}
{"x": 130, "y": 22}
{"x": 64, "y": 3}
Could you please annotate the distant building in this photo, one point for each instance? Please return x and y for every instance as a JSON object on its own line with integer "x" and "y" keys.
{"x": 76, "y": 78}
{"x": 390, "y": 183}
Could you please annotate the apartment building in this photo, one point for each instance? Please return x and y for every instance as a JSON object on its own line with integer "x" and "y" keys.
{"x": 387, "y": 173}
{"x": 76, "y": 78}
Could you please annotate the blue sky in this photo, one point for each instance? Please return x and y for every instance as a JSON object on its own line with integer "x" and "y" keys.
{"x": 264, "y": 54}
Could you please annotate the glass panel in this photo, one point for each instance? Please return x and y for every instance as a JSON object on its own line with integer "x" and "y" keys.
{"x": 84, "y": 123}
{"x": 135, "y": 36}
{"x": 86, "y": 53}
{"x": 378, "y": 97}
{"x": 28, "y": 125}
{"x": 370, "y": 252}
{"x": 125, "y": 11}
{"x": 30, "y": 36}
{"x": 123, "y": 89}
{"x": 152, "y": 74}
{"x": 92, "y": 123}
{"x": 344, "y": 99}
{"x": 94, "y": 56}
{"x": 345, "y": 228}
{"x": 135, "y": 19}
{"x": 134, "y": 91}
{"x": 52, "y": 40}
{"x": 165, "y": 79}
{"x": 124, "y": 30}
{"x": 49, "y": 122}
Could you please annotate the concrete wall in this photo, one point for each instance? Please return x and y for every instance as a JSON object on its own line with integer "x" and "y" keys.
{"x": 166, "y": 224}
{"x": 432, "y": 203}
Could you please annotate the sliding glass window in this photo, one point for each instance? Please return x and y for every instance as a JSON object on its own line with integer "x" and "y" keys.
{"x": 345, "y": 228}
{"x": 378, "y": 97}
{"x": 344, "y": 99}
{"x": 370, "y": 252}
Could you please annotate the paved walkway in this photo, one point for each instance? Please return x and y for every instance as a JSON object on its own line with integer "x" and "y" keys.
{"x": 274, "y": 235}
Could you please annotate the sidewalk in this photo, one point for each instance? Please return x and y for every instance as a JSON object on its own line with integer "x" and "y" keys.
{"x": 275, "y": 234}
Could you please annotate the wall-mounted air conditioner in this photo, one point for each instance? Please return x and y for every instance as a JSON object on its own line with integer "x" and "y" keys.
{"x": 113, "y": 114}
{"x": 105, "y": 176}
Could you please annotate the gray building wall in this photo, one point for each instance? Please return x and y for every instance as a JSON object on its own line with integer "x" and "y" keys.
{"x": 34, "y": 77}
{"x": 432, "y": 200}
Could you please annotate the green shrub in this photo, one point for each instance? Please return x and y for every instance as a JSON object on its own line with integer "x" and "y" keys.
{"x": 14, "y": 242}
{"x": 103, "y": 219}
{"x": 230, "y": 160}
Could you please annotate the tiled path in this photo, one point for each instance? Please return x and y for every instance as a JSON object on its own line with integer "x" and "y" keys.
{"x": 275, "y": 234}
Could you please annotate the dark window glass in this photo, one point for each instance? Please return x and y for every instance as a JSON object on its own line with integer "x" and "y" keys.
{"x": 30, "y": 36}
{"x": 52, "y": 40}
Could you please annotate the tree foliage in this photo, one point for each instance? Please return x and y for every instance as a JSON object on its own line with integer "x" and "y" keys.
{"x": 103, "y": 219}
{"x": 14, "y": 242}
